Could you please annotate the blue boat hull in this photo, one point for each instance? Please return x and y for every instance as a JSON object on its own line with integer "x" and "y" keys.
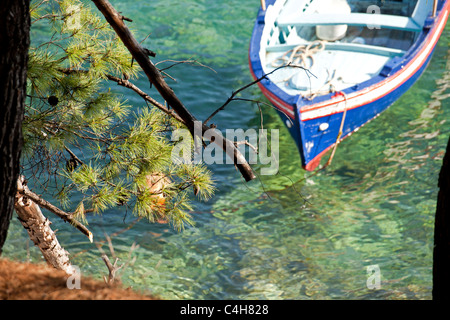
{"x": 354, "y": 119}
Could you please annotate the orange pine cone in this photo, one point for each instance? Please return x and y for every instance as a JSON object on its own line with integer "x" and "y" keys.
{"x": 156, "y": 182}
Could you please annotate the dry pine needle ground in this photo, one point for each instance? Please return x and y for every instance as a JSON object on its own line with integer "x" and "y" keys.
{"x": 27, "y": 281}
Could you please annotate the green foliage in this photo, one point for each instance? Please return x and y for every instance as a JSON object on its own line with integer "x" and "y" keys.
{"x": 84, "y": 135}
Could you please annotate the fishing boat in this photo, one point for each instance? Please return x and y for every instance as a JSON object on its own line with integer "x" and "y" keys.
{"x": 331, "y": 66}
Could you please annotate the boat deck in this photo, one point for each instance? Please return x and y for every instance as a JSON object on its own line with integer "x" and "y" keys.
{"x": 357, "y": 57}
{"x": 332, "y": 70}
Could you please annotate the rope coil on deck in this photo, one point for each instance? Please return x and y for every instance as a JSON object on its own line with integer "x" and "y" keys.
{"x": 303, "y": 56}
{"x": 299, "y": 55}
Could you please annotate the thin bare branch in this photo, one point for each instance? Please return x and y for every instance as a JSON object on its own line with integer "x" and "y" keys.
{"x": 188, "y": 61}
{"x": 233, "y": 94}
{"x": 112, "y": 268}
{"x": 68, "y": 217}
{"x": 73, "y": 155}
{"x": 146, "y": 97}
{"x": 248, "y": 144}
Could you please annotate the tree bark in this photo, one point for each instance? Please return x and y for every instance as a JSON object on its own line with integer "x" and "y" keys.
{"x": 14, "y": 43}
{"x": 441, "y": 253}
{"x": 38, "y": 228}
{"x": 67, "y": 217}
{"x": 140, "y": 54}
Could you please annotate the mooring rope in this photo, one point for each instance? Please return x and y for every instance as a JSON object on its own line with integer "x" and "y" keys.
{"x": 341, "y": 128}
{"x": 298, "y": 57}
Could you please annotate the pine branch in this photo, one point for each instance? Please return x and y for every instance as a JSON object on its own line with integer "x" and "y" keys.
{"x": 155, "y": 77}
{"x": 127, "y": 84}
{"x": 146, "y": 97}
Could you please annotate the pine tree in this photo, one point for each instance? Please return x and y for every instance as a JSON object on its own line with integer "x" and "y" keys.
{"x": 14, "y": 42}
{"x": 81, "y": 137}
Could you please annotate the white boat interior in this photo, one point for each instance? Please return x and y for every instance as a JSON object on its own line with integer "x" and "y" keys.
{"x": 341, "y": 42}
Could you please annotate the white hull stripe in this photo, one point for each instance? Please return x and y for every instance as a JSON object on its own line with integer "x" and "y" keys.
{"x": 287, "y": 109}
{"x": 280, "y": 106}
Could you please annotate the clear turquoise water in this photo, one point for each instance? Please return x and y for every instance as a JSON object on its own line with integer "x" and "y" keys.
{"x": 288, "y": 236}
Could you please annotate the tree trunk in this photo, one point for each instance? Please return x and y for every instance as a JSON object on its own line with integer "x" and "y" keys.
{"x": 441, "y": 258}
{"x": 38, "y": 228}
{"x": 14, "y": 43}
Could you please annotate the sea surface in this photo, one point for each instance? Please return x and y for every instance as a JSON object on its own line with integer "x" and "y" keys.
{"x": 292, "y": 235}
